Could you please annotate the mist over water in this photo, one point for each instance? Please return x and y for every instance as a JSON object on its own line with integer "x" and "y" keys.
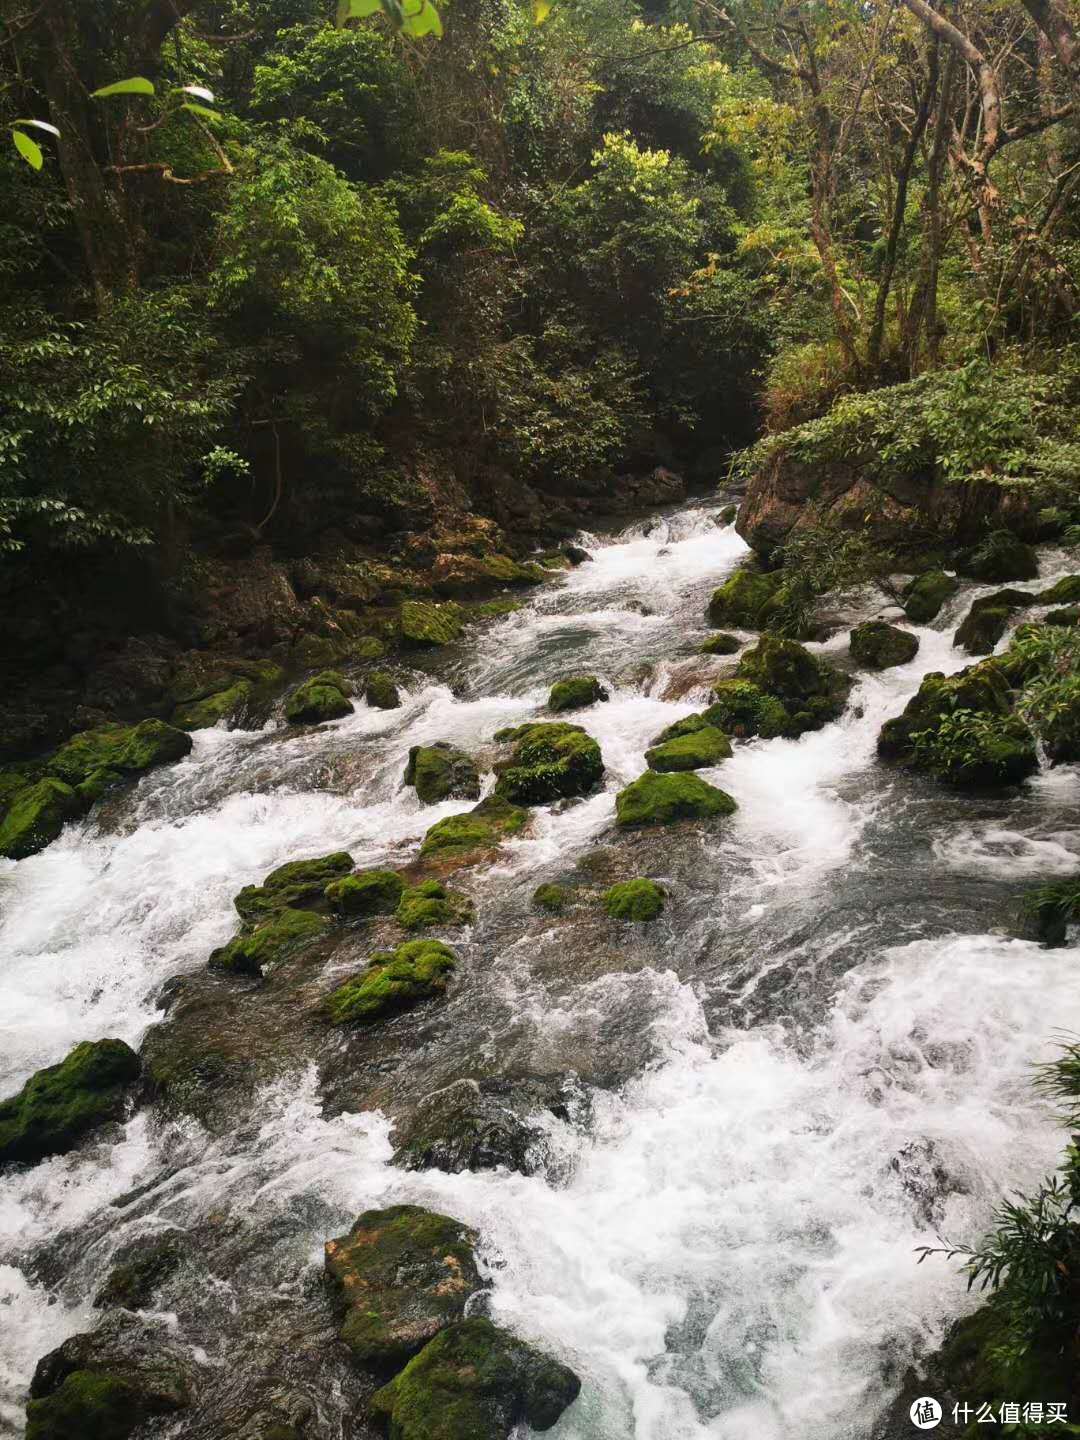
{"x": 820, "y": 1055}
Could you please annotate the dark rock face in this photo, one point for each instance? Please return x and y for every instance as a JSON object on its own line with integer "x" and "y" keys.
{"x": 401, "y": 1275}
{"x": 61, "y": 1104}
{"x": 140, "y": 1269}
{"x": 475, "y": 1125}
{"x": 988, "y": 619}
{"x": 878, "y": 645}
{"x": 441, "y": 771}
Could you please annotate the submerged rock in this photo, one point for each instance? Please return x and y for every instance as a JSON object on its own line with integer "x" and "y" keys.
{"x": 36, "y": 816}
{"x": 634, "y": 900}
{"x": 431, "y": 903}
{"x": 253, "y": 951}
{"x": 425, "y": 624}
{"x": 369, "y": 892}
{"x": 402, "y": 1275}
{"x": 721, "y": 644}
{"x": 380, "y": 692}
{"x": 298, "y": 885}
{"x": 659, "y": 799}
{"x": 393, "y": 981}
{"x": 549, "y": 762}
{"x": 140, "y": 1269}
{"x": 742, "y": 598}
{"x": 324, "y": 697}
{"x": 441, "y": 771}
{"x": 471, "y": 1125}
{"x": 926, "y": 594}
{"x": 879, "y": 645}
{"x": 61, "y": 1104}
{"x": 475, "y": 1382}
{"x": 481, "y": 828}
{"x": 694, "y": 749}
{"x": 575, "y": 693}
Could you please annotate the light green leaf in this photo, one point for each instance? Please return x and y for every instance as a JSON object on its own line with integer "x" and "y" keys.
{"x": 39, "y": 125}
{"x": 28, "y": 149}
{"x": 425, "y": 22}
{"x": 200, "y": 92}
{"x": 137, "y": 85}
{"x": 202, "y": 110}
{"x": 541, "y": 10}
{"x": 356, "y": 10}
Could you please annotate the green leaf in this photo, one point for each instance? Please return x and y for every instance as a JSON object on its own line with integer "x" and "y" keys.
{"x": 137, "y": 85}
{"x": 28, "y": 149}
{"x": 203, "y": 110}
{"x": 39, "y": 125}
{"x": 541, "y": 10}
{"x": 356, "y": 9}
{"x": 425, "y": 22}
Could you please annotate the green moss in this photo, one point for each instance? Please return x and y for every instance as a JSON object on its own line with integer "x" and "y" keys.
{"x": 660, "y": 799}
{"x": 728, "y": 514}
{"x": 1065, "y": 591}
{"x": 575, "y": 693}
{"x": 480, "y": 828}
{"x": 424, "y": 623}
{"x": 743, "y": 709}
{"x": 442, "y": 772}
{"x": 493, "y": 609}
{"x": 231, "y": 694}
{"x": 721, "y": 644}
{"x": 324, "y": 697}
{"x": 981, "y": 1361}
{"x": 879, "y": 645}
{"x": 1070, "y": 615}
{"x": 741, "y": 599}
{"x": 430, "y": 903}
{"x": 926, "y": 594}
{"x": 393, "y": 981}
{"x": 634, "y": 900}
{"x": 549, "y": 762}
{"x": 225, "y": 705}
{"x": 706, "y": 745}
{"x": 554, "y": 898}
{"x": 981, "y": 688}
{"x": 802, "y": 683}
{"x": 988, "y": 619}
{"x": 89, "y": 1405}
{"x": 36, "y": 816}
{"x": 1000, "y": 557}
{"x": 125, "y": 750}
{"x": 380, "y": 692}
{"x": 475, "y": 1381}
{"x": 250, "y": 952}
{"x": 299, "y": 884}
{"x": 402, "y": 1275}
{"x": 58, "y": 1105}
{"x": 369, "y": 892}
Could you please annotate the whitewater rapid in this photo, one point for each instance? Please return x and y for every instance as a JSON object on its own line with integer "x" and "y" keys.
{"x": 834, "y": 1031}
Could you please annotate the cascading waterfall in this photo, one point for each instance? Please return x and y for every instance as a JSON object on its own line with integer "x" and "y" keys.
{"x": 816, "y": 1060}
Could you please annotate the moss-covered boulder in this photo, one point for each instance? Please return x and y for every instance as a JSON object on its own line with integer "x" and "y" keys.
{"x": 704, "y": 746}
{"x": 988, "y": 619}
{"x": 368, "y": 892}
{"x": 982, "y": 688}
{"x": 475, "y": 1381}
{"x": 1068, "y": 615}
{"x": 424, "y": 624}
{"x": 380, "y": 692}
{"x": 299, "y": 885}
{"x": 118, "y": 752}
{"x": 481, "y": 828}
{"x": 657, "y": 799}
{"x": 879, "y": 646}
{"x": 999, "y": 558}
{"x": 743, "y": 709}
{"x": 1065, "y": 591}
{"x": 811, "y": 690}
{"x": 548, "y": 762}
{"x": 742, "y": 598}
{"x": 394, "y": 980}
{"x": 925, "y": 595}
{"x": 324, "y": 697}
{"x": 553, "y": 898}
{"x": 232, "y": 693}
{"x": 634, "y": 900}
{"x": 575, "y": 692}
{"x": 400, "y": 1275}
{"x": 61, "y": 1104}
{"x": 36, "y": 816}
{"x": 721, "y": 644}
{"x": 430, "y": 903}
{"x": 441, "y": 771}
{"x": 282, "y": 934}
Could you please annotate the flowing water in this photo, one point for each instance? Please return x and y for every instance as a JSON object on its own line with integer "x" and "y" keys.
{"x": 816, "y": 1060}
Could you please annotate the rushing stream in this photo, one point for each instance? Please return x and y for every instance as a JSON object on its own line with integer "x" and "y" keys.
{"x": 816, "y": 1060}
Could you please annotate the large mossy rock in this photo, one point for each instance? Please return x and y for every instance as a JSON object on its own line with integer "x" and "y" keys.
{"x": 481, "y": 828}
{"x": 424, "y": 624}
{"x": 694, "y": 749}
{"x": 324, "y": 697}
{"x": 475, "y": 1381}
{"x": 61, "y": 1104}
{"x": 254, "y": 951}
{"x": 811, "y": 690}
{"x": 441, "y": 771}
{"x": 879, "y": 645}
{"x": 117, "y": 752}
{"x": 926, "y": 594}
{"x": 36, "y": 816}
{"x": 430, "y": 904}
{"x": 394, "y": 980}
{"x": 988, "y": 619}
{"x": 380, "y": 692}
{"x": 743, "y": 709}
{"x": 1065, "y": 591}
{"x": 231, "y": 693}
{"x": 402, "y": 1275}
{"x": 575, "y": 693}
{"x": 548, "y": 762}
{"x": 552, "y": 898}
{"x": 721, "y": 644}
{"x": 634, "y": 900}
{"x": 368, "y": 892}
{"x": 656, "y": 799}
{"x": 999, "y": 558}
{"x": 298, "y": 885}
{"x": 742, "y": 598}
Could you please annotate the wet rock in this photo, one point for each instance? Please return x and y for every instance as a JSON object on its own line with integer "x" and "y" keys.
{"x": 369, "y": 892}
{"x": 924, "y": 1179}
{"x": 380, "y": 692}
{"x": 139, "y": 1270}
{"x": 475, "y": 1382}
{"x": 298, "y": 885}
{"x": 424, "y": 624}
{"x": 721, "y": 644}
{"x": 442, "y": 772}
{"x": 430, "y": 903}
{"x": 549, "y": 762}
{"x": 634, "y": 900}
{"x": 660, "y": 799}
{"x": 553, "y": 898}
{"x": 481, "y": 828}
{"x": 988, "y": 619}
{"x": 575, "y": 693}
{"x": 393, "y": 981}
{"x": 35, "y": 817}
{"x": 879, "y": 645}
{"x": 1065, "y": 591}
{"x": 100, "y": 757}
{"x": 1047, "y": 912}
{"x": 743, "y": 709}
{"x": 60, "y": 1105}
{"x": 1000, "y": 557}
{"x": 811, "y": 690}
{"x": 472, "y": 1125}
{"x": 324, "y": 697}
{"x": 576, "y": 555}
{"x": 926, "y": 594}
{"x": 727, "y": 515}
{"x": 699, "y": 748}
{"x": 1070, "y": 615}
{"x": 254, "y": 951}
{"x": 742, "y": 598}
{"x": 401, "y": 1275}
{"x": 208, "y": 690}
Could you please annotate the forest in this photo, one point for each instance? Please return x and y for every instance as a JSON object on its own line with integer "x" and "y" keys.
{"x": 326, "y": 333}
